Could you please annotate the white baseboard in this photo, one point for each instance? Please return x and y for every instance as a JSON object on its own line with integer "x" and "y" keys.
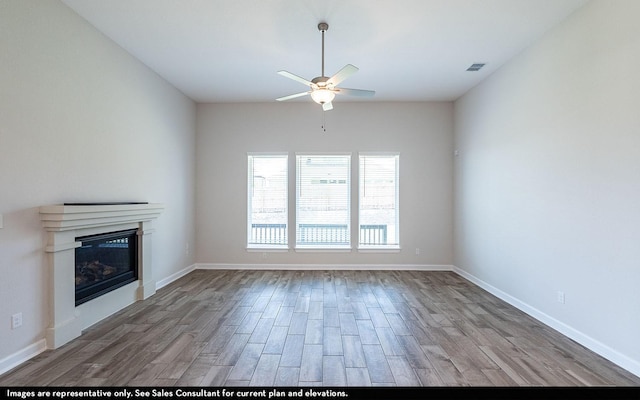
{"x": 23, "y": 355}
{"x": 34, "y": 349}
{"x": 621, "y": 360}
{"x": 597, "y": 347}
{"x": 173, "y": 277}
{"x": 345, "y": 267}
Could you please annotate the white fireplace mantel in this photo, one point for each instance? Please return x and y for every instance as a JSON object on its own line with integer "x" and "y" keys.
{"x": 65, "y": 223}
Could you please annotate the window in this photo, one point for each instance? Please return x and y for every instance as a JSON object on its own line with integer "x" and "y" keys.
{"x": 323, "y": 190}
{"x": 323, "y": 201}
{"x": 378, "y": 201}
{"x": 267, "y": 201}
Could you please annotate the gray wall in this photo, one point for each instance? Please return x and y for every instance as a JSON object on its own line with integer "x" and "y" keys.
{"x": 81, "y": 120}
{"x": 548, "y": 180}
{"x": 421, "y": 132}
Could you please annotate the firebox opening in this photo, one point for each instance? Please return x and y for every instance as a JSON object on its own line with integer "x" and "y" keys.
{"x": 105, "y": 262}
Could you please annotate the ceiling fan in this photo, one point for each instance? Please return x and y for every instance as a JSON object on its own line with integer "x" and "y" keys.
{"x": 323, "y": 88}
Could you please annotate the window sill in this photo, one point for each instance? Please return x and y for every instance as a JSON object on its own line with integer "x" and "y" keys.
{"x": 377, "y": 249}
{"x": 262, "y": 248}
{"x": 319, "y": 249}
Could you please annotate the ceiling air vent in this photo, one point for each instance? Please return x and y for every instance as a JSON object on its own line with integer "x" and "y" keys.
{"x": 475, "y": 67}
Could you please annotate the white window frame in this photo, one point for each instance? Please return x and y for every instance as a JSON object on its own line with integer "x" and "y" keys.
{"x": 266, "y": 246}
{"x": 392, "y": 247}
{"x": 301, "y": 247}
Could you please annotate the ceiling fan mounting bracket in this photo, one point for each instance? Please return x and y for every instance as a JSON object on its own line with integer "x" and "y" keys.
{"x": 323, "y": 26}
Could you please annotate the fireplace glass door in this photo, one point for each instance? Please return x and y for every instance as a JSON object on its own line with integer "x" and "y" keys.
{"x": 105, "y": 262}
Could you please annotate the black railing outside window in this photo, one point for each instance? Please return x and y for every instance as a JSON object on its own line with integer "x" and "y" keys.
{"x": 373, "y": 234}
{"x": 268, "y": 234}
{"x": 317, "y": 234}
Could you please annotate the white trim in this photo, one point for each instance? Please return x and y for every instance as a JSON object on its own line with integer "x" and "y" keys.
{"x": 379, "y": 153}
{"x": 380, "y": 249}
{"x": 60, "y": 218}
{"x": 323, "y": 153}
{"x": 267, "y": 153}
{"x": 321, "y": 249}
{"x": 603, "y": 350}
{"x": 40, "y": 346}
{"x": 21, "y": 356}
{"x": 345, "y": 267}
{"x": 174, "y": 277}
{"x": 614, "y": 356}
{"x": 268, "y": 249}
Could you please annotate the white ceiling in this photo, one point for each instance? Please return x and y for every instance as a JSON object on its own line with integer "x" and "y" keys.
{"x": 407, "y": 50}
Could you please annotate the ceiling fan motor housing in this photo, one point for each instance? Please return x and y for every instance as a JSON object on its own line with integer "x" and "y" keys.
{"x": 320, "y": 80}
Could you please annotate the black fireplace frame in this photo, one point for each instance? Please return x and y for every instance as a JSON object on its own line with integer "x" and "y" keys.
{"x": 107, "y": 285}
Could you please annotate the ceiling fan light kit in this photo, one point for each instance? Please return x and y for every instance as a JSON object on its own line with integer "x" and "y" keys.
{"x": 322, "y": 96}
{"x": 323, "y": 89}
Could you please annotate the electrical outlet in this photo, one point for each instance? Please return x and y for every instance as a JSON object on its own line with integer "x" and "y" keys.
{"x": 186, "y": 249}
{"x": 417, "y": 251}
{"x": 560, "y": 297}
{"x": 16, "y": 320}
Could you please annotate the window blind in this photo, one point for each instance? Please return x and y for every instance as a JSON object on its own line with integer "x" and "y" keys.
{"x": 323, "y": 190}
{"x": 378, "y": 201}
{"x": 267, "y": 201}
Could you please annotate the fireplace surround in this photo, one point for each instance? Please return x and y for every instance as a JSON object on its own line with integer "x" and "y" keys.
{"x": 64, "y": 224}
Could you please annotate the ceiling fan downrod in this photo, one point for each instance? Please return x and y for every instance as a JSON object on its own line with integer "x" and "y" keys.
{"x": 323, "y": 27}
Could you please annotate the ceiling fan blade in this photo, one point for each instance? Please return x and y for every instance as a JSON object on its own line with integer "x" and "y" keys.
{"x": 292, "y": 96}
{"x": 343, "y": 74}
{"x": 327, "y": 106}
{"x": 295, "y": 78}
{"x": 355, "y": 92}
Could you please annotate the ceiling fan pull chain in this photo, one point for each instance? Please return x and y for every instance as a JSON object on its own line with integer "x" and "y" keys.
{"x": 324, "y": 124}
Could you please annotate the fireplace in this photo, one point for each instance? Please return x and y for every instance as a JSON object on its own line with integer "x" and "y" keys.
{"x": 105, "y": 262}
{"x": 77, "y": 235}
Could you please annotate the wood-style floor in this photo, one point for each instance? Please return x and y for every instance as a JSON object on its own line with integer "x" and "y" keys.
{"x": 327, "y": 328}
